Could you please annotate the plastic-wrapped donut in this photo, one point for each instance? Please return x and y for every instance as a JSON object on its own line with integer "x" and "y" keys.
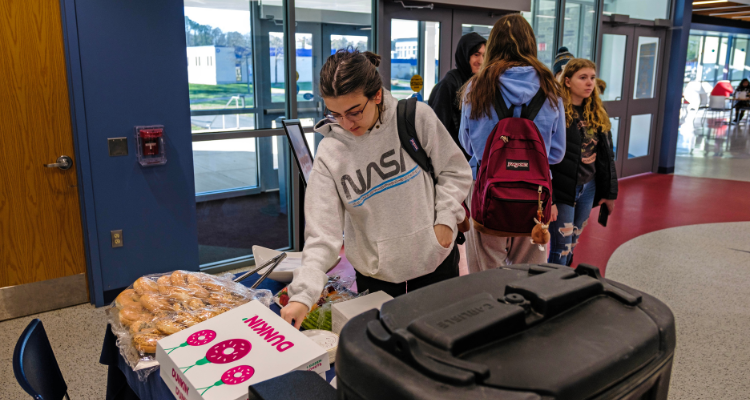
{"x": 197, "y": 291}
{"x": 142, "y": 326}
{"x": 146, "y": 343}
{"x": 164, "y": 283}
{"x": 195, "y": 304}
{"x": 212, "y": 285}
{"x": 178, "y": 278}
{"x": 187, "y": 319}
{"x": 144, "y": 285}
{"x": 216, "y": 299}
{"x": 196, "y": 279}
{"x": 155, "y": 303}
{"x": 168, "y": 326}
{"x": 179, "y": 294}
{"x": 128, "y": 297}
{"x": 133, "y": 313}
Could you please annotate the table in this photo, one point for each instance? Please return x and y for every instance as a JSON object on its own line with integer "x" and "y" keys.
{"x": 122, "y": 381}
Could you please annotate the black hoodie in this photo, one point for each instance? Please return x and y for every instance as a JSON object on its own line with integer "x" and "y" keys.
{"x": 443, "y": 98}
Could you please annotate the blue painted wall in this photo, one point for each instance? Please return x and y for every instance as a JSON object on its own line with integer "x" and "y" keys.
{"x": 127, "y": 67}
{"x": 677, "y": 59}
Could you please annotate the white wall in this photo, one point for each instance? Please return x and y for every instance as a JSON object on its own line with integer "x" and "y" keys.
{"x": 201, "y": 65}
{"x": 304, "y": 67}
{"x": 641, "y": 9}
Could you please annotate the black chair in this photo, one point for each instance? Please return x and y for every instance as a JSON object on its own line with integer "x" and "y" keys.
{"x": 35, "y": 366}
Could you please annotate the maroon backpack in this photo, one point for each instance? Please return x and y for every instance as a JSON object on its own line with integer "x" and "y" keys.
{"x": 513, "y": 178}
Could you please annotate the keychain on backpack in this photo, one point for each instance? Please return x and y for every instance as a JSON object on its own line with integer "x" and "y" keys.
{"x": 540, "y": 233}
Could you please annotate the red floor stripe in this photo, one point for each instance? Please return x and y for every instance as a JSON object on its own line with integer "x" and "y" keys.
{"x": 652, "y": 202}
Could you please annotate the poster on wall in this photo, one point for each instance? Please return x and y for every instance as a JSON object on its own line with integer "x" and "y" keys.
{"x": 644, "y": 88}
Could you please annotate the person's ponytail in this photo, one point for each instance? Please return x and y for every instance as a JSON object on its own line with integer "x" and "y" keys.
{"x": 349, "y": 71}
{"x": 374, "y": 58}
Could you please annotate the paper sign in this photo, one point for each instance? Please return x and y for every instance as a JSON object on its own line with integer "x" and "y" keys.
{"x": 416, "y": 83}
{"x": 221, "y": 357}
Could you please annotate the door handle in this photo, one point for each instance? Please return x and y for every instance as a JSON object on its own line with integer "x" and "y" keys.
{"x": 63, "y": 162}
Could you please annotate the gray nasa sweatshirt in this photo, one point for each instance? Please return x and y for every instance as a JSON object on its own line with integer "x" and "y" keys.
{"x": 369, "y": 188}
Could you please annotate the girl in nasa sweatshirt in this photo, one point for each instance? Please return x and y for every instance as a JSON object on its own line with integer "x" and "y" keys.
{"x": 400, "y": 225}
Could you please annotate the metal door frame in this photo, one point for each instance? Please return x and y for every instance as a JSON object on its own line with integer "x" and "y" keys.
{"x": 470, "y": 17}
{"x": 436, "y": 14}
{"x": 627, "y": 106}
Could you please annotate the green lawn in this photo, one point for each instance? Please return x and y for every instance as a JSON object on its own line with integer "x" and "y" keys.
{"x": 221, "y": 93}
{"x": 199, "y": 91}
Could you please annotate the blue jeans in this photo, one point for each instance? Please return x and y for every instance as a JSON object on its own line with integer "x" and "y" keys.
{"x": 570, "y": 222}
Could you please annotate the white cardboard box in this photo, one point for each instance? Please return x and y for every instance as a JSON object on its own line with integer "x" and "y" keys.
{"x": 342, "y": 312}
{"x": 220, "y": 358}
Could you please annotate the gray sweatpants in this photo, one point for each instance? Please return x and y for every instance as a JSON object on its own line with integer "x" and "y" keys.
{"x": 486, "y": 251}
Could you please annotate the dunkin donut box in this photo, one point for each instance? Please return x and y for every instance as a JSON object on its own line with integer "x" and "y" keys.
{"x": 220, "y": 358}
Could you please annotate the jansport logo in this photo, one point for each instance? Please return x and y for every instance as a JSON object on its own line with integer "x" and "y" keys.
{"x": 414, "y": 144}
{"x": 517, "y": 165}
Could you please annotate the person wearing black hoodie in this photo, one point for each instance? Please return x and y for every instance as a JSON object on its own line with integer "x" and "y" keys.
{"x": 444, "y": 99}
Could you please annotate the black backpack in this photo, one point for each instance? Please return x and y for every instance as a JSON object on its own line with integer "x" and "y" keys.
{"x": 406, "y": 115}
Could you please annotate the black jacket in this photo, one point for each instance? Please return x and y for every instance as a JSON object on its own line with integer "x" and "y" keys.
{"x": 443, "y": 98}
{"x": 565, "y": 174}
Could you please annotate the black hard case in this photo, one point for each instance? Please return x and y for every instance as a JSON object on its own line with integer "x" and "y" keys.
{"x": 528, "y": 332}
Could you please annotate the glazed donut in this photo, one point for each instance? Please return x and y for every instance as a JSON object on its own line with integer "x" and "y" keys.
{"x": 128, "y": 297}
{"x": 155, "y": 303}
{"x": 179, "y": 278}
{"x": 163, "y": 284}
{"x": 145, "y": 285}
{"x": 197, "y": 291}
{"x": 168, "y": 326}
{"x": 146, "y": 343}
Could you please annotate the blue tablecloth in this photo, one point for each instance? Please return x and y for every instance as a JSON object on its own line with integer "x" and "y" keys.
{"x": 122, "y": 381}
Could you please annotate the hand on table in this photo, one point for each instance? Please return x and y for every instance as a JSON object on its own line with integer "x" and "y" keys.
{"x": 294, "y": 311}
{"x": 444, "y": 235}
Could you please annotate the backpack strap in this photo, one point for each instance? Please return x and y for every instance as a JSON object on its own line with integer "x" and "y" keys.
{"x": 501, "y": 109}
{"x": 529, "y": 111}
{"x": 406, "y": 115}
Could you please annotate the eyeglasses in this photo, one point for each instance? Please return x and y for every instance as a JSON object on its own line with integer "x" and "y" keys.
{"x": 352, "y": 116}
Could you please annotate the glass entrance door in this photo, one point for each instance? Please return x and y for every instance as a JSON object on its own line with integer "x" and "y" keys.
{"x": 630, "y": 62}
{"x": 418, "y": 45}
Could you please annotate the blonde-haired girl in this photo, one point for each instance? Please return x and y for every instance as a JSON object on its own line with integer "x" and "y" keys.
{"x": 586, "y": 177}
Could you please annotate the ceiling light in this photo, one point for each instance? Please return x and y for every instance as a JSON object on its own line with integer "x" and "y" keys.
{"x": 697, "y": 3}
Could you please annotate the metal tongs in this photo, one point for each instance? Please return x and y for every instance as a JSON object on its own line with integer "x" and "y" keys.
{"x": 274, "y": 262}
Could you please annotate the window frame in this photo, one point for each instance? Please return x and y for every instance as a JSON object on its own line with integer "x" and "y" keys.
{"x": 295, "y": 189}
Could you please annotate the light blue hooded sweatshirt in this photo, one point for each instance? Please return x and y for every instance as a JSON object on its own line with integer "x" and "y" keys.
{"x": 518, "y": 85}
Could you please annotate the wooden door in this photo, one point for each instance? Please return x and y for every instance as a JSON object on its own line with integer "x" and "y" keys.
{"x": 41, "y": 236}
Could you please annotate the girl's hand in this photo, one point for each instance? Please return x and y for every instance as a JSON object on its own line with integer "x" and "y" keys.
{"x": 465, "y": 226}
{"x": 444, "y": 235}
{"x": 553, "y": 213}
{"x": 294, "y": 311}
{"x": 610, "y": 204}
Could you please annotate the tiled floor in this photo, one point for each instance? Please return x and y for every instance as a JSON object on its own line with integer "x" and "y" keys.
{"x": 702, "y": 272}
{"x": 713, "y": 149}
